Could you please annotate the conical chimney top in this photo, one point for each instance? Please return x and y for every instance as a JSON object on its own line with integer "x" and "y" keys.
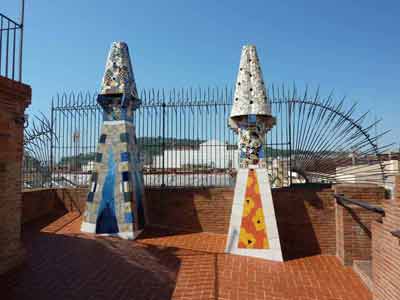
{"x": 118, "y": 76}
{"x": 250, "y": 93}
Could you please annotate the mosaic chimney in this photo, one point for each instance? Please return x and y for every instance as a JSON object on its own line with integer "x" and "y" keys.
{"x": 116, "y": 194}
{"x": 253, "y": 228}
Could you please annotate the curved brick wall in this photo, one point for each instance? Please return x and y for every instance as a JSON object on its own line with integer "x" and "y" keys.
{"x": 305, "y": 214}
{"x": 309, "y": 221}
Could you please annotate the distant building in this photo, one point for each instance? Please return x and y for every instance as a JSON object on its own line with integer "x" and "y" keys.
{"x": 214, "y": 154}
{"x": 370, "y": 173}
{"x": 211, "y": 154}
{"x": 89, "y": 167}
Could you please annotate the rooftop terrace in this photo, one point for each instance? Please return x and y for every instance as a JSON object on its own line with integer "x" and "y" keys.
{"x": 338, "y": 230}
{"x": 66, "y": 264}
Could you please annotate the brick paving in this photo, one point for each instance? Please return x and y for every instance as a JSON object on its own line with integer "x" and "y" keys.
{"x": 199, "y": 241}
{"x": 66, "y": 264}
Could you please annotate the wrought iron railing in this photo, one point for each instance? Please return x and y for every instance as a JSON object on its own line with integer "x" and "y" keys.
{"x": 182, "y": 134}
{"x": 185, "y": 141}
{"x": 11, "y": 46}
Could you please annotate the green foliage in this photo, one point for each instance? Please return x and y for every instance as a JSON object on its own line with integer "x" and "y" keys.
{"x": 153, "y": 146}
{"x": 77, "y": 161}
{"x": 30, "y": 162}
{"x": 150, "y": 147}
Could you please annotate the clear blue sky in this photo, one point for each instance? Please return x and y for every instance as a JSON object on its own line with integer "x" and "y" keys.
{"x": 352, "y": 47}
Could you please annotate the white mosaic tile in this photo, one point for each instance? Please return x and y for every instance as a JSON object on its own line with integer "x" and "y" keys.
{"x": 250, "y": 93}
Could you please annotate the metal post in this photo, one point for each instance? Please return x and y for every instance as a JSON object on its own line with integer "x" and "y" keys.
{"x": 7, "y": 45}
{"x": 163, "y": 144}
{"x": 76, "y": 138}
{"x": 1, "y": 40}
{"x": 51, "y": 143}
{"x": 21, "y": 38}
{"x": 290, "y": 143}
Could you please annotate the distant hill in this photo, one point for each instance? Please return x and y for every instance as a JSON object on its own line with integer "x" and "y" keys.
{"x": 153, "y": 146}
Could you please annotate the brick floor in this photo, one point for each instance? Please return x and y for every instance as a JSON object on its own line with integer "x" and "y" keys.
{"x": 200, "y": 241}
{"x": 66, "y": 264}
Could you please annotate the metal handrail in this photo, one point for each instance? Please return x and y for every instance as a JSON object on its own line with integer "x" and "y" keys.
{"x": 396, "y": 233}
{"x": 342, "y": 200}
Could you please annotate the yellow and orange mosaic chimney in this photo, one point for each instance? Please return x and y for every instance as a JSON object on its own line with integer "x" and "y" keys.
{"x": 253, "y": 228}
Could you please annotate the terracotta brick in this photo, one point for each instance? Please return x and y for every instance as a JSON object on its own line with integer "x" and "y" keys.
{"x": 353, "y": 223}
{"x": 14, "y": 98}
{"x": 66, "y": 264}
{"x": 386, "y": 251}
{"x": 306, "y": 215}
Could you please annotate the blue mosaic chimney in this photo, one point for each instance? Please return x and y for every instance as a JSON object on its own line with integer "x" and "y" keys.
{"x": 115, "y": 202}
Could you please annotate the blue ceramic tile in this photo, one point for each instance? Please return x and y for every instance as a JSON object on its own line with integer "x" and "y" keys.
{"x": 128, "y": 217}
{"x": 95, "y": 175}
{"x": 102, "y": 139}
{"x": 252, "y": 119}
{"x": 127, "y": 196}
{"x": 90, "y": 197}
{"x": 125, "y": 156}
{"x": 125, "y": 176}
{"x": 106, "y": 220}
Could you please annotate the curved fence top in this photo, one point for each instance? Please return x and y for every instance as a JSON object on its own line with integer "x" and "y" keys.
{"x": 185, "y": 141}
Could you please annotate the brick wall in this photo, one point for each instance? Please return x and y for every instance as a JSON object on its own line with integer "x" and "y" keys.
{"x": 305, "y": 213}
{"x": 195, "y": 210}
{"x": 353, "y": 223}
{"x": 14, "y": 98}
{"x": 306, "y": 220}
{"x": 386, "y": 251}
{"x": 73, "y": 199}
{"x": 309, "y": 221}
{"x": 38, "y": 203}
